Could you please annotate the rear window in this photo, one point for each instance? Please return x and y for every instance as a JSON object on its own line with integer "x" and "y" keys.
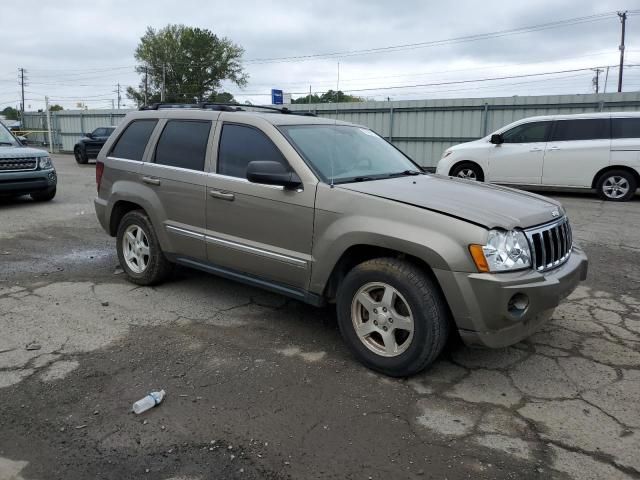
{"x": 625, "y": 128}
{"x": 133, "y": 140}
{"x": 183, "y": 143}
{"x": 584, "y": 129}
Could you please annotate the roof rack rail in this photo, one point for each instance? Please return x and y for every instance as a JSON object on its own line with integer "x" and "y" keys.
{"x": 225, "y": 107}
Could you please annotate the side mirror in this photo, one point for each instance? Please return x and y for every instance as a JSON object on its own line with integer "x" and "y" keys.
{"x": 496, "y": 139}
{"x": 272, "y": 173}
{"x": 88, "y": 135}
{"x": 22, "y": 139}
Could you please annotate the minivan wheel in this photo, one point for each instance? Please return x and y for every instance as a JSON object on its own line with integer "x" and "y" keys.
{"x": 139, "y": 251}
{"x": 469, "y": 171}
{"x": 392, "y": 316}
{"x": 616, "y": 186}
{"x": 80, "y": 155}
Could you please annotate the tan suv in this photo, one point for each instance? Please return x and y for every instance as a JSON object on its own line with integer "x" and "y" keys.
{"x": 326, "y": 211}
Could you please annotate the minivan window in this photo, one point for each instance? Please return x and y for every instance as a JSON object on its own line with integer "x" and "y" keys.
{"x": 625, "y": 128}
{"x": 183, "y": 143}
{"x": 583, "y": 129}
{"x": 240, "y": 145}
{"x": 527, "y": 133}
{"x": 133, "y": 140}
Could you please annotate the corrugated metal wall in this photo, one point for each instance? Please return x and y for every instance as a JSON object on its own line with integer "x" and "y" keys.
{"x": 421, "y": 128}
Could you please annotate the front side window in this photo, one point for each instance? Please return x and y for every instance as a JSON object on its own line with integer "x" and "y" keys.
{"x": 239, "y": 145}
{"x": 582, "y": 129}
{"x": 345, "y": 153}
{"x": 625, "y": 128}
{"x": 183, "y": 143}
{"x": 6, "y": 138}
{"x": 527, "y": 133}
{"x": 134, "y": 139}
{"x": 99, "y": 132}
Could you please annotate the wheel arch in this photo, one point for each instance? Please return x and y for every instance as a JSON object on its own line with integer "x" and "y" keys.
{"x": 467, "y": 162}
{"x": 119, "y": 210}
{"x": 609, "y": 168}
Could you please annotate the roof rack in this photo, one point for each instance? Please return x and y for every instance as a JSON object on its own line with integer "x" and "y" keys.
{"x": 224, "y": 107}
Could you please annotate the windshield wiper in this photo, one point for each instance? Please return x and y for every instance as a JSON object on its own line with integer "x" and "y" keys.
{"x": 406, "y": 173}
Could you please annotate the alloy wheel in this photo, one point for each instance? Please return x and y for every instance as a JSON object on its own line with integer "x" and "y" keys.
{"x": 615, "y": 187}
{"x": 135, "y": 248}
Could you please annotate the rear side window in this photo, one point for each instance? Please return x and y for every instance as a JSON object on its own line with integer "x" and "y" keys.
{"x": 133, "y": 140}
{"x": 240, "y": 145}
{"x": 587, "y": 129}
{"x": 625, "y": 128}
{"x": 527, "y": 133}
{"x": 183, "y": 143}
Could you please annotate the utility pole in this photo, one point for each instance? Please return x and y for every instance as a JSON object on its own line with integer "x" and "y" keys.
{"x": 596, "y": 79}
{"x": 164, "y": 79}
{"x": 118, "y": 92}
{"x": 623, "y": 20}
{"x": 146, "y": 83}
{"x": 46, "y": 103}
{"x": 22, "y": 88}
{"x": 309, "y": 103}
{"x": 606, "y": 79}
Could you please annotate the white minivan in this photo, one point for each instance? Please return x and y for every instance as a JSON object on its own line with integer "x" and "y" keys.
{"x": 584, "y": 151}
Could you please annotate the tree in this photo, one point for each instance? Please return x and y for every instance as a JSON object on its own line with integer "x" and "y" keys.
{"x": 191, "y": 62}
{"x": 55, "y": 108}
{"x": 329, "y": 96}
{"x": 10, "y": 113}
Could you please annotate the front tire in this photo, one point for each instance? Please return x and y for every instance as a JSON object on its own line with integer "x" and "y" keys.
{"x": 139, "y": 250}
{"x": 43, "y": 196}
{"x": 616, "y": 186}
{"x": 80, "y": 156}
{"x": 468, "y": 171}
{"x": 392, "y": 316}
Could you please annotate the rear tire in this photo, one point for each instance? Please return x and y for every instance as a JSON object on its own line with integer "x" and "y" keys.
{"x": 401, "y": 335}
{"x": 139, "y": 250}
{"x": 43, "y": 196}
{"x": 468, "y": 171}
{"x": 80, "y": 156}
{"x": 616, "y": 186}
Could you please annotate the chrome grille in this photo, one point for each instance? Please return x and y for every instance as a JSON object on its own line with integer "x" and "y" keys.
{"x": 15, "y": 164}
{"x": 550, "y": 244}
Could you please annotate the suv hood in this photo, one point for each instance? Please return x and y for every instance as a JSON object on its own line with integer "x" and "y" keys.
{"x": 484, "y": 204}
{"x": 21, "y": 152}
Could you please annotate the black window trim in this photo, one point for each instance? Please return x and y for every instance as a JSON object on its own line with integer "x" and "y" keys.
{"x": 115, "y": 142}
{"x": 547, "y": 135}
{"x": 207, "y": 153}
{"x": 222, "y": 124}
{"x": 555, "y": 123}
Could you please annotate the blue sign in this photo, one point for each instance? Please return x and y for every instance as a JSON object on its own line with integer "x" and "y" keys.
{"x": 276, "y": 97}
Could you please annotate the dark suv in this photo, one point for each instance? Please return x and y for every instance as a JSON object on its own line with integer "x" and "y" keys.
{"x": 89, "y": 146}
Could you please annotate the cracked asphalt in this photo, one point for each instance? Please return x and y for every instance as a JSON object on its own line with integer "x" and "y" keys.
{"x": 259, "y": 386}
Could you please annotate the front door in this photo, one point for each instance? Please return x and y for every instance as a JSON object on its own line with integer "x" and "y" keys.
{"x": 176, "y": 173}
{"x": 519, "y": 159}
{"x": 576, "y": 151}
{"x": 262, "y": 230}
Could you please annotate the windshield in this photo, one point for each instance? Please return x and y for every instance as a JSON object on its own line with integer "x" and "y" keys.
{"x": 343, "y": 153}
{"x": 6, "y": 139}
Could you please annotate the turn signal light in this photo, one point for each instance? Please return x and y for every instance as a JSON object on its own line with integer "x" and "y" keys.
{"x": 478, "y": 257}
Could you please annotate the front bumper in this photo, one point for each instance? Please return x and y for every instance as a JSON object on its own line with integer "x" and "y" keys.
{"x": 480, "y": 301}
{"x": 22, "y": 183}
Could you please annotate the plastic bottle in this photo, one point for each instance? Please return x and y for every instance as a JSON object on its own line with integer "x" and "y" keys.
{"x": 150, "y": 401}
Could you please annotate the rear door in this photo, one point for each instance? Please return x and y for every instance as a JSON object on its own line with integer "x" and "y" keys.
{"x": 519, "y": 159}
{"x": 625, "y": 142}
{"x": 256, "y": 229}
{"x": 176, "y": 173}
{"x": 576, "y": 151}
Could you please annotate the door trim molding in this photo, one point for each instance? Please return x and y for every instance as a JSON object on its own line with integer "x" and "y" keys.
{"x": 185, "y": 232}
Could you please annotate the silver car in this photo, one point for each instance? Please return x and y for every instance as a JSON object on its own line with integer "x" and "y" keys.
{"x": 329, "y": 212}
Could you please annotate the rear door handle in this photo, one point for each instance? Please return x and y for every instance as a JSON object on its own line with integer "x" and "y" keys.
{"x": 151, "y": 180}
{"x": 554, "y": 148}
{"x": 222, "y": 195}
{"x": 535, "y": 149}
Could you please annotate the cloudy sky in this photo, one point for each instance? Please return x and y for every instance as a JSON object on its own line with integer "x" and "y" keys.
{"x": 78, "y": 51}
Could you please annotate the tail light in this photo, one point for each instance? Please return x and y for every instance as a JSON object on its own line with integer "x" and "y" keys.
{"x": 99, "y": 172}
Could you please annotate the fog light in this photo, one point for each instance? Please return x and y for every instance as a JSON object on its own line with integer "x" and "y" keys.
{"x": 518, "y": 304}
{"x": 52, "y": 176}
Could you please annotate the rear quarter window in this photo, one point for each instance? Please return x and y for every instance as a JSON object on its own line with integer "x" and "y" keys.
{"x": 625, "y": 128}
{"x": 133, "y": 141}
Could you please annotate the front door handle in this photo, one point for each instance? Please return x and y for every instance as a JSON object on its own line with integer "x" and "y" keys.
{"x": 535, "y": 149}
{"x": 554, "y": 148}
{"x": 151, "y": 180}
{"x": 222, "y": 195}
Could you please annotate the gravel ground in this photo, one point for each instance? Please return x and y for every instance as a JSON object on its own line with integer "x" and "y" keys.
{"x": 259, "y": 386}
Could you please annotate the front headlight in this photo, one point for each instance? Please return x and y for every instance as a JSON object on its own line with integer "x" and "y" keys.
{"x": 505, "y": 251}
{"x": 45, "y": 163}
